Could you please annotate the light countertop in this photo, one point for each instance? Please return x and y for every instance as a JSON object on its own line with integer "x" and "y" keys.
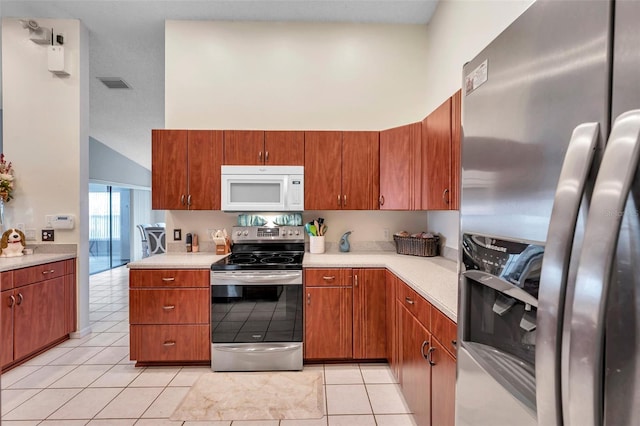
{"x": 434, "y": 278}
{"x": 11, "y": 263}
{"x": 200, "y": 260}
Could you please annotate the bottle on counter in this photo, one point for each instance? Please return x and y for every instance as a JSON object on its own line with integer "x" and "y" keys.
{"x": 189, "y": 243}
{"x": 195, "y": 247}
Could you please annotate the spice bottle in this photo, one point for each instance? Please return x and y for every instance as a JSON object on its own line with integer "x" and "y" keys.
{"x": 189, "y": 243}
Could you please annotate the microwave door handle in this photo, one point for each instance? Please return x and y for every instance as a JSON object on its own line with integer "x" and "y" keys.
{"x": 586, "y": 339}
{"x": 555, "y": 267}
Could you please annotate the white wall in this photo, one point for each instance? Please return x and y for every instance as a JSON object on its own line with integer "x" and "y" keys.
{"x": 256, "y": 75}
{"x": 46, "y": 136}
{"x": 458, "y": 31}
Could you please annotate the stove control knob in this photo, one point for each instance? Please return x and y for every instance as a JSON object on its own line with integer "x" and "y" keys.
{"x": 290, "y": 232}
{"x": 297, "y": 232}
{"x": 245, "y": 233}
{"x": 238, "y": 233}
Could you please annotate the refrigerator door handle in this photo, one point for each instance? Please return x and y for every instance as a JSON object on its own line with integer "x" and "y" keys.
{"x": 586, "y": 340}
{"x": 555, "y": 267}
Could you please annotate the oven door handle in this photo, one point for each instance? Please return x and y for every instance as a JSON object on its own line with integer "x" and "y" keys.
{"x": 259, "y": 348}
{"x": 255, "y": 279}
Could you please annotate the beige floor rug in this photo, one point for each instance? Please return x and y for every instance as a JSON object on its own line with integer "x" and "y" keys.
{"x": 253, "y": 396}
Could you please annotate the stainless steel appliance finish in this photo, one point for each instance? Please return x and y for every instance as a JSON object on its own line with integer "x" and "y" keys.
{"x": 257, "y": 303}
{"x": 550, "y": 158}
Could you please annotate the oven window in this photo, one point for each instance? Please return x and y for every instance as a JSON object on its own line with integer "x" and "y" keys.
{"x": 247, "y": 314}
{"x": 255, "y": 192}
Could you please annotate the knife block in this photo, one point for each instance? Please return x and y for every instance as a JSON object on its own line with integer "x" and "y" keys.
{"x": 224, "y": 248}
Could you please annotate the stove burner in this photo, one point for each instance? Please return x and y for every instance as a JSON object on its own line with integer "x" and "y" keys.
{"x": 277, "y": 259}
{"x": 243, "y": 259}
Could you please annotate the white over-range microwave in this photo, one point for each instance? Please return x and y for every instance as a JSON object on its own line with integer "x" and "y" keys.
{"x": 262, "y": 188}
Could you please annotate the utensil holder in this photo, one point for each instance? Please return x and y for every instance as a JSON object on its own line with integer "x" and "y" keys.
{"x": 316, "y": 244}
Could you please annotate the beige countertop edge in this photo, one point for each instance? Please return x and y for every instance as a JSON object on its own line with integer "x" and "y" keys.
{"x": 11, "y": 263}
{"x": 201, "y": 260}
{"x": 434, "y": 278}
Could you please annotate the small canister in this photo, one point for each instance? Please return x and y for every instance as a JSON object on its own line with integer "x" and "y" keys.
{"x": 189, "y": 243}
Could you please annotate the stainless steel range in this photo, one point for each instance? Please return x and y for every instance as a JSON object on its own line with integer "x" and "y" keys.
{"x": 256, "y": 301}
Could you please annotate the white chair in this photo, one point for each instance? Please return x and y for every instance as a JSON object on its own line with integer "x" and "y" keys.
{"x": 155, "y": 239}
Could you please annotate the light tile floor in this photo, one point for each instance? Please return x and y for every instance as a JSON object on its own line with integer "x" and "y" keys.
{"x": 90, "y": 381}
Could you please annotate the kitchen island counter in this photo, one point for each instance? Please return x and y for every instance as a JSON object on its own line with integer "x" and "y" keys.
{"x": 434, "y": 278}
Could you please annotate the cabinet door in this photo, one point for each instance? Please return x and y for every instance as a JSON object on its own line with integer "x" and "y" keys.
{"x": 7, "y": 303}
{"x": 400, "y": 167}
{"x": 169, "y": 169}
{"x": 70, "y": 301}
{"x": 443, "y": 384}
{"x": 322, "y": 170}
{"x": 39, "y": 316}
{"x": 360, "y": 170}
{"x": 205, "y": 158}
{"x": 284, "y": 148}
{"x": 244, "y": 147}
{"x": 456, "y": 139}
{"x": 369, "y": 314}
{"x": 416, "y": 371}
{"x": 436, "y": 158}
{"x": 328, "y": 323}
{"x": 392, "y": 323}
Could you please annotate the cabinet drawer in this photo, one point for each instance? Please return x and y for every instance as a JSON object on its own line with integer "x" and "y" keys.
{"x": 163, "y": 343}
{"x": 38, "y": 273}
{"x": 169, "y": 306}
{"x": 6, "y": 280}
{"x": 444, "y": 330}
{"x": 169, "y": 278}
{"x": 416, "y": 304}
{"x": 336, "y": 277}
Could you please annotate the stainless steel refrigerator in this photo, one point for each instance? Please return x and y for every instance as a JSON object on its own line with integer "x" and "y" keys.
{"x": 549, "y": 315}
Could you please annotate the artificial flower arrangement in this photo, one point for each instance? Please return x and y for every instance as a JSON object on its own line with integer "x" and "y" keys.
{"x": 6, "y": 179}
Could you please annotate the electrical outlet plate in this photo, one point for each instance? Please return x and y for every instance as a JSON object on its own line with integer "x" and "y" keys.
{"x": 48, "y": 235}
{"x": 177, "y": 234}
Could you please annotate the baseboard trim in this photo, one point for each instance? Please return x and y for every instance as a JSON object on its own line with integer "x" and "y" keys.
{"x": 80, "y": 333}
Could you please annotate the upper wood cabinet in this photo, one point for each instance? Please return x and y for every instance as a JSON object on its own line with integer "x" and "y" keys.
{"x": 441, "y": 135}
{"x": 185, "y": 169}
{"x": 341, "y": 170}
{"x": 257, "y": 147}
{"x": 400, "y": 167}
{"x": 436, "y": 158}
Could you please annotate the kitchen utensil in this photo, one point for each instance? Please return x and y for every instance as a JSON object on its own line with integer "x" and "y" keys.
{"x": 315, "y": 223}
{"x": 323, "y": 229}
{"x": 313, "y": 230}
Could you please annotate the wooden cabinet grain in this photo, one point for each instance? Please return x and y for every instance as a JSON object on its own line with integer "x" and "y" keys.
{"x": 38, "y": 309}
{"x": 443, "y": 385}
{"x": 341, "y": 170}
{"x": 169, "y": 315}
{"x": 400, "y": 168}
{"x": 369, "y": 314}
{"x": 328, "y": 314}
{"x": 456, "y": 141}
{"x": 185, "y": 169}
{"x": 257, "y": 147}
{"x": 436, "y": 158}
{"x": 391, "y": 282}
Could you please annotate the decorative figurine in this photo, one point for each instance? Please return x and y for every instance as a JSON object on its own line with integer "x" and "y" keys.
{"x": 344, "y": 242}
{"x": 12, "y": 243}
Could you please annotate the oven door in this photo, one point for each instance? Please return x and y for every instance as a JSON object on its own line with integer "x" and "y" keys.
{"x": 256, "y": 320}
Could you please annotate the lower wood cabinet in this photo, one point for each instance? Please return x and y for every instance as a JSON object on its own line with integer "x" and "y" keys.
{"x": 369, "y": 314}
{"x": 169, "y": 316}
{"x": 443, "y": 385}
{"x": 38, "y": 309}
{"x": 328, "y": 323}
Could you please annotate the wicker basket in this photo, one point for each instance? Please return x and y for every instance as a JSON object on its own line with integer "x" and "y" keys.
{"x": 417, "y": 246}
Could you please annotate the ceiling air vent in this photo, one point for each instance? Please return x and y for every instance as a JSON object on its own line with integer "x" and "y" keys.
{"x": 114, "y": 82}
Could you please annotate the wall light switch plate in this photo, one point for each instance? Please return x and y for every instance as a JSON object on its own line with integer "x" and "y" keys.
{"x": 177, "y": 234}
{"x": 48, "y": 235}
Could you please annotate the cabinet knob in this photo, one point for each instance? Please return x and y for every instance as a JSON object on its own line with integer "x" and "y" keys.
{"x": 445, "y": 199}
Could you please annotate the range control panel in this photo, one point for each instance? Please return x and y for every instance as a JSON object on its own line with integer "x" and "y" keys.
{"x": 268, "y": 233}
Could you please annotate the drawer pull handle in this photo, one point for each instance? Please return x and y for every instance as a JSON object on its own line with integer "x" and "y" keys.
{"x": 308, "y": 298}
{"x": 425, "y": 356}
{"x": 20, "y": 299}
{"x": 356, "y": 277}
{"x": 327, "y": 278}
{"x": 12, "y": 301}
{"x": 169, "y": 279}
{"x": 48, "y": 272}
{"x": 454, "y": 343}
{"x": 430, "y": 355}
{"x": 409, "y": 301}
{"x": 169, "y": 307}
{"x": 169, "y": 343}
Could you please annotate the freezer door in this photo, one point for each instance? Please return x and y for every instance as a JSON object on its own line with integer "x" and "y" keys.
{"x": 545, "y": 74}
{"x": 622, "y": 351}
